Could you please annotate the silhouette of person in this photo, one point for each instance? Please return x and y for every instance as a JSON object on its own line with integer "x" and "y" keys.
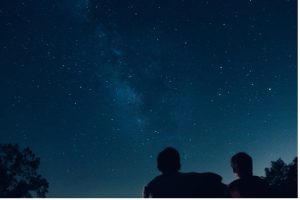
{"x": 247, "y": 185}
{"x": 174, "y": 184}
{"x": 167, "y": 184}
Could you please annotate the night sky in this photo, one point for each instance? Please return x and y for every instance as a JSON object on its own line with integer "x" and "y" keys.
{"x": 97, "y": 88}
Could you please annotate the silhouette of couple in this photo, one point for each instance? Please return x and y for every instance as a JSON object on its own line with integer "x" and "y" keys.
{"x": 174, "y": 184}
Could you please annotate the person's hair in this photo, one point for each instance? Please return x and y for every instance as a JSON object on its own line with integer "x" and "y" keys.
{"x": 168, "y": 160}
{"x": 243, "y": 162}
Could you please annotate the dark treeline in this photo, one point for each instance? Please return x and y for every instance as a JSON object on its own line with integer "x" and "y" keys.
{"x": 282, "y": 178}
{"x": 19, "y": 178}
{"x": 18, "y": 173}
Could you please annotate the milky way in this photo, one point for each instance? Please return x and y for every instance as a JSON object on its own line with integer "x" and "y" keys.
{"x": 97, "y": 88}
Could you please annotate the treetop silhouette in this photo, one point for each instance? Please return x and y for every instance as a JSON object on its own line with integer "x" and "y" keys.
{"x": 18, "y": 173}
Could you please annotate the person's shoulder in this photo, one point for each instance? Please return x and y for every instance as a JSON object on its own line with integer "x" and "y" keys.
{"x": 204, "y": 178}
{"x": 149, "y": 186}
{"x": 155, "y": 180}
{"x": 248, "y": 180}
{"x": 235, "y": 182}
{"x": 205, "y": 175}
{"x": 257, "y": 178}
{"x": 212, "y": 176}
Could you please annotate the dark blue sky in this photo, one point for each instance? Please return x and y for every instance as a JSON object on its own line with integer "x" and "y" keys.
{"x": 97, "y": 88}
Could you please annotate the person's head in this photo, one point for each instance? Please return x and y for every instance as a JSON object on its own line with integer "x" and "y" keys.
{"x": 168, "y": 161}
{"x": 241, "y": 164}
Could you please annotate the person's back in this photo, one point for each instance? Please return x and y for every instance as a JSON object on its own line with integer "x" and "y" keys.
{"x": 165, "y": 186}
{"x": 247, "y": 186}
{"x": 250, "y": 187}
{"x": 168, "y": 183}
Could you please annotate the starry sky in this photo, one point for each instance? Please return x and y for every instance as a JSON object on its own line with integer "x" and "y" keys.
{"x": 97, "y": 88}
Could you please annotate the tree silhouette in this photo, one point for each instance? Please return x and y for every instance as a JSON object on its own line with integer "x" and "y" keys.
{"x": 282, "y": 178}
{"x": 18, "y": 173}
